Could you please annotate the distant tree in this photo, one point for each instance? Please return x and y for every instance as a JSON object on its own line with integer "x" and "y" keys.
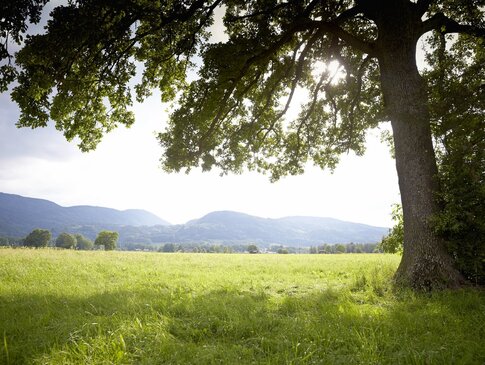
{"x": 371, "y": 247}
{"x": 340, "y": 248}
{"x": 326, "y": 248}
{"x": 4, "y": 241}
{"x": 350, "y": 248}
{"x": 38, "y": 238}
{"x": 108, "y": 239}
{"x": 253, "y": 249}
{"x": 215, "y": 249}
{"x": 393, "y": 242}
{"x": 66, "y": 240}
{"x": 168, "y": 247}
{"x": 82, "y": 243}
{"x": 313, "y": 249}
{"x": 11, "y": 241}
{"x": 282, "y": 251}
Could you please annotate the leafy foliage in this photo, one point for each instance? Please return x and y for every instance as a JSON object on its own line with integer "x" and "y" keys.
{"x": 83, "y": 85}
{"x": 393, "y": 242}
{"x": 15, "y": 15}
{"x": 457, "y": 102}
{"x": 38, "y": 238}
{"x": 231, "y": 115}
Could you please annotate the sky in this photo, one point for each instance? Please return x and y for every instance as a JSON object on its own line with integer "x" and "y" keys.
{"x": 124, "y": 173}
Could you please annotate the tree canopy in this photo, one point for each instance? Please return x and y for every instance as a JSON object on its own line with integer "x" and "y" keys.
{"x": 66, "y": 240}
{"x": 14, "y": 19}
{"x": 107, "y": 239}
{"x": 231, "y": 115}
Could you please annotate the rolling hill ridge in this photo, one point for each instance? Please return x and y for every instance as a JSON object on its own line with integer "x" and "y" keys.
{"x": 20, "y": 215}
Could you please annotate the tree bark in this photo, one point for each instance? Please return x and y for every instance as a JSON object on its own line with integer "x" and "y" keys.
{"x": 425, "y": 264}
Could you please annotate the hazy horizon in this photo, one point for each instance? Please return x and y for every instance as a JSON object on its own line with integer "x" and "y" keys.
{"x": 190, "y": 219}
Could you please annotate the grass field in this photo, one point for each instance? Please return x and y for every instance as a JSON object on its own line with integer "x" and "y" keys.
{"x": 72, "y": 307}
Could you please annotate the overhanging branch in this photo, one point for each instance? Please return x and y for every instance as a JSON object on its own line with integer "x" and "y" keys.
{"x": 347, "y": 37}
{"x": 423, "y": 6}
{"x": 443, "y": 24}
{"x": 348, "y": 14}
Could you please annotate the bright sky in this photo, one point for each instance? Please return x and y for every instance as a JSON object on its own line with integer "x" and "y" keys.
{"x": 124, "y": 173}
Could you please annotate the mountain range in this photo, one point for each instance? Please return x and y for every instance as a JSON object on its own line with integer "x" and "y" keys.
{"x": 20, "y": 215}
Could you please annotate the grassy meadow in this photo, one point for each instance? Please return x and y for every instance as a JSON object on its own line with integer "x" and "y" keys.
{"x": 73, "y": 307}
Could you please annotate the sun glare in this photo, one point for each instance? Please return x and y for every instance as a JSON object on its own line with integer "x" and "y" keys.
{"x": 333, "y": 71}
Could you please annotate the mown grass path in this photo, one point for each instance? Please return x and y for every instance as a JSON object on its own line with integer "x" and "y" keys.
{"x": 72, "y": 307}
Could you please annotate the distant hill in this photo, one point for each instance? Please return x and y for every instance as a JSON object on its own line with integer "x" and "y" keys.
{"x": 20, "y": 215}
{"x": 297, "y": 231}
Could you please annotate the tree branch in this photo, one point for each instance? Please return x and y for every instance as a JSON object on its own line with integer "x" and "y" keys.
{"x": 271, "y": 92}
{"x": 350, "y": 39}
{"x": 299, "y": 70}
{"x": 443, "y": 24}
{"x": 233, "y": 18}
{"x": 348, "y": 14}
{"x": 423, "y": 6}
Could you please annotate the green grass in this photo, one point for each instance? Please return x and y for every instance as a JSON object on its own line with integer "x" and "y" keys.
{"x": 71, "y": 307}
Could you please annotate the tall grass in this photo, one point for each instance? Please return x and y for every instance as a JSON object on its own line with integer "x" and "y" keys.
{"x": 71, "y": 307}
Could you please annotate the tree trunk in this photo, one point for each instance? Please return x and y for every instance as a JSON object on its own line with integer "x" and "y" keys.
{"x": 425, "y": 264}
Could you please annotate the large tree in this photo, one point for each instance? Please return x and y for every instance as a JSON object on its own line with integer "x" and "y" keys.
{"x": 38, "y": 238}
{"x": 232, "y": 115}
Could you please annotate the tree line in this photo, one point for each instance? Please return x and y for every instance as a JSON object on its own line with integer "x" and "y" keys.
{"x": 107, "y": 240}
{"x": 254, "y": 249}
{"x": 345, "y": 248}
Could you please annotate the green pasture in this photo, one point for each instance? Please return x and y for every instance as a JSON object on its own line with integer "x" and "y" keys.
{"x": 82, "y": 307}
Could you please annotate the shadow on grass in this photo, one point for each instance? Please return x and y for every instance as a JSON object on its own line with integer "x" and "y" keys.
{"x": 181, "y": 326}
